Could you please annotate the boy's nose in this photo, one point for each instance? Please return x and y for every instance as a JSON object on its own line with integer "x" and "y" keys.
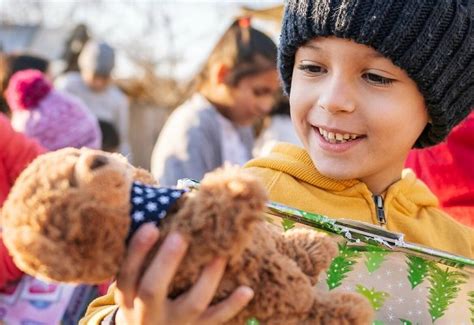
{"x": 336, "y": 96}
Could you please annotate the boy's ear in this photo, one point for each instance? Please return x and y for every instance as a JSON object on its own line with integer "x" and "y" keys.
{"x": 222, "y": 73}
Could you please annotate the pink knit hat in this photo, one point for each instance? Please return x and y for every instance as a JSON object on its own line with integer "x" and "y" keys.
{"x": 55, "y": 119}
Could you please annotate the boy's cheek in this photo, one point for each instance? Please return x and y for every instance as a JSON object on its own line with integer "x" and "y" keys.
{"x": 301, "y": 99}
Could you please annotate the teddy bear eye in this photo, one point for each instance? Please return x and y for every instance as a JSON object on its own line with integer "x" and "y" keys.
{"x": 98, "y": 162}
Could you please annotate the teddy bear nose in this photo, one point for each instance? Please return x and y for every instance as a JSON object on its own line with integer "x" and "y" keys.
{"x": 97, "y": 162}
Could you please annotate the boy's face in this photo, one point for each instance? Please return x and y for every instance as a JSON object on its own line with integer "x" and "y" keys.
{"x": 357, "y": 114}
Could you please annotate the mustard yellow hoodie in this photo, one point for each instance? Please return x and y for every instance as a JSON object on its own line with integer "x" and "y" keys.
{"x": 409, "y": 206}
{"x": 291, "y": 179}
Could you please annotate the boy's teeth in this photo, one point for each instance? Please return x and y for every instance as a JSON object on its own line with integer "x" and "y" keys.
{"x": 336, "y": 137}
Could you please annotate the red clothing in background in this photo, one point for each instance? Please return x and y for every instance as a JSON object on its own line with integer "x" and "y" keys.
{"x": 16, "y": 152}
{"x": 448, "y": 170}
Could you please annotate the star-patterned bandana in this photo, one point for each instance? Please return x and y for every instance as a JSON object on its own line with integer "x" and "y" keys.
{"x": 150, "y": 204}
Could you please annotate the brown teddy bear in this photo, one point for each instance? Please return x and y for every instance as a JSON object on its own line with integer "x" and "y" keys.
{"x": 70, "y": 213}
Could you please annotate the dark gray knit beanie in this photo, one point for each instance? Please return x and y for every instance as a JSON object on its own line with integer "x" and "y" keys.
{"x": 432, "y": 40}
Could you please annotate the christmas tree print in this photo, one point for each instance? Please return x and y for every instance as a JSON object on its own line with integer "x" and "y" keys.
{"x": 287, "y": 224}
{"x": 341, "y": 265}
{"x": 444, "y": 289}
{"x": 454, "y": 264}
{"x": 375, "y": 257}
{"x": 376, "y": 298}
{"x": 471, "y": 302}
{"x": 405, "y": 322}
{"x": 417, "y": 270}
{"x": 252, "y": 321}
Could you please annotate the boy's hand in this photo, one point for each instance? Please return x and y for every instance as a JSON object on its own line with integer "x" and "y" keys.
{"x": 144, "y": 300}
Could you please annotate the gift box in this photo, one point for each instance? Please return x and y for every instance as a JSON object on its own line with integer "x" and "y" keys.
{"x": 405, "y": 283}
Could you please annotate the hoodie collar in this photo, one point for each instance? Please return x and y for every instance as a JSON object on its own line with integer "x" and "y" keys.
{"x": 295, "y": 161}
{"x": 409, "y": 191}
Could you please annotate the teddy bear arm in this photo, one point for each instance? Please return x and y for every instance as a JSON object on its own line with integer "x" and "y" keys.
{"x": 283, "y": 294}
{"x": 312, "y": 251}
{"x": 340, "y": 308}
{"x": 218, "y": 220}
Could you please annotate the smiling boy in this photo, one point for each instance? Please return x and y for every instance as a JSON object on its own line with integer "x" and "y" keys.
{"x": 367, "y": 81}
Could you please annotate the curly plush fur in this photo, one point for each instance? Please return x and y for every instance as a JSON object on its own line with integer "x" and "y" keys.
{"x": 67, "y": 218}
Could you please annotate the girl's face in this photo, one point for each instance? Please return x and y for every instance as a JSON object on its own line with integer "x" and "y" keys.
{"x": 356, "y": 113}
{"x": 253, "y": 97}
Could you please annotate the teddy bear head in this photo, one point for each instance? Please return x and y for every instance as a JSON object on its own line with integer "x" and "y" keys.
{"x": 60, "y": 201}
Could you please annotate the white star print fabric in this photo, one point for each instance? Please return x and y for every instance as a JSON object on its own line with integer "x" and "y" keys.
{"x": 150, "y": 204}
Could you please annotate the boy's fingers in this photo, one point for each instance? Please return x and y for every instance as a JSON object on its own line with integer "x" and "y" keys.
{"x": 196, "y": 301}
{"x": 227, "y": 309}
{"x": 163, "y": 267}
{"x": 127, "y": 279}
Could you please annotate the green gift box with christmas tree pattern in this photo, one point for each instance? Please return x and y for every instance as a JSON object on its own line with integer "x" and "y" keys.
{"x": 405, "y": 283}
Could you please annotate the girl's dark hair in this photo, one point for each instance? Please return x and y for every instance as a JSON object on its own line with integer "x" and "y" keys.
{"x": 12, "y": 63}
{"x": 246, "y": 50}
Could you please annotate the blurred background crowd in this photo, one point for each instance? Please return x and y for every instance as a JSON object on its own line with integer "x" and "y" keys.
{"x": 149, "y": 54}
{"x": 178, "y": 88}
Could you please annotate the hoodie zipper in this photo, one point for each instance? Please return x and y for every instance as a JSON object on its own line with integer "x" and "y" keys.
{"x": 379, "y": 211}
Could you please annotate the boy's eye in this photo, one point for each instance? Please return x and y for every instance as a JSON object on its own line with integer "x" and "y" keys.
{"x": 311, "y": 68}
{"x": 377, "y": 79}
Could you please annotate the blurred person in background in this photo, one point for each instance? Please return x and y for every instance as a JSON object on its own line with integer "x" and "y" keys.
{"x": 16, "y": 152}
{"x": 57, "y": 120}
{"x": 276, "y": 127}
{"x": 93, "y": 84}
{"x": 14, "y": 62}
{"x": 73, "y": 47}
{"x": 235, "y": 88}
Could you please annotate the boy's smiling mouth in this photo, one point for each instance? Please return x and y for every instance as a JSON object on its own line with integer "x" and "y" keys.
{"x": 336, "y": 141}
{"x": 337, "y": 136}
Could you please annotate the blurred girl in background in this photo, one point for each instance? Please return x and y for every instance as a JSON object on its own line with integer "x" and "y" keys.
{"x": 236, "y": 86}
